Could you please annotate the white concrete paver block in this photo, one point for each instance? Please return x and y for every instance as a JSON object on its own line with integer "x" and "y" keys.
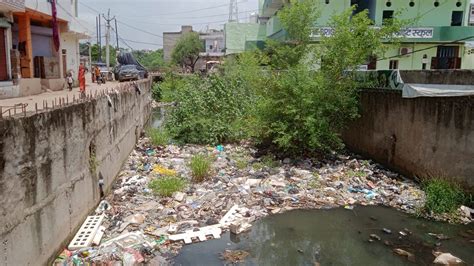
{"x": 201, "y": 234}
{"x": 86, "y": 233}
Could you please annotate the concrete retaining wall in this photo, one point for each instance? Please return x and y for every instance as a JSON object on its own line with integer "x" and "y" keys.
{"x": 47, "y": 187}
{"x": 419, "y": 137}
{"x": 444, "y": 76}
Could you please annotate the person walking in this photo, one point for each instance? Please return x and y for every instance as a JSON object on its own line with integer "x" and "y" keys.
{"x": 82, "y": 80}
{"x": 98, "y": 76}
{"x": 70, "y": 80}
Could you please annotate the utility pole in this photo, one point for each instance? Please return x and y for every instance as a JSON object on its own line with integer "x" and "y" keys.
{"x": 90, "y": 54}
{"x": 117, "y": 37}
{"x": 233, "y": 11}
{"x": 107, "y": 40}
{"x": 100, "y": 40}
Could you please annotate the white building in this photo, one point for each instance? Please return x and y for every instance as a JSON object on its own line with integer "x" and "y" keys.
{"x": 32, "y": 62}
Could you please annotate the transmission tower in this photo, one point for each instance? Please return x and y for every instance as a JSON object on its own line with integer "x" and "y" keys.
{"x": 233, "y": 11}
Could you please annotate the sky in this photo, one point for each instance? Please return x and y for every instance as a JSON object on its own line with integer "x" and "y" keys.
{"x": 141, "y": 23}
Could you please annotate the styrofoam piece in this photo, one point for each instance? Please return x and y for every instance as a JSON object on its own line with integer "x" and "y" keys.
{"x": 98, "y": 236}
{"x": 86, "y": 233}
{"x": 173, "y": 228}
{"x": 200, "y": 234}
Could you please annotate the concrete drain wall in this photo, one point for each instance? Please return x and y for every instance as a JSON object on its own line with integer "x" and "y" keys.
{"x": 50, "y": 165}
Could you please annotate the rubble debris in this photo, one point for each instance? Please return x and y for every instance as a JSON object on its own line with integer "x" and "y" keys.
{"x": 231, "y": 199}
{"x": 387, "y": 231}
{"x": 234, "y": 256}
{"x": 446, "y": 259}
{"x": 237, "y": 228}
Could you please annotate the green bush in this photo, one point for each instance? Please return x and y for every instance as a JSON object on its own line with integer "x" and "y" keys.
{"x": 303, "y": 114}
{"x": 442, "y": 196}
{"x": 158, "y": 137}
{"x": 209, "y": 111}
{"x": 167, "y": 185}
{"x": 166, "y": 90}
{"x": 200, "y": 167}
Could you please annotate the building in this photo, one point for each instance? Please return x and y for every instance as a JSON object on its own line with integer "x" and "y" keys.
{"x": 32, "y": 62}
{"x": 240, "y": 37}
{"x": 170, "y": 39}
{"x": 7, "y": 73}
{"x": 471, "y": 16}
{"x": 438, "y": 40}
{"x": 213, "y": 45}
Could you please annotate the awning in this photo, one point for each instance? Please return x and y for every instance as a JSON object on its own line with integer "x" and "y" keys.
{"x": 436, "y": 90}
{"x": 392, "y": 80}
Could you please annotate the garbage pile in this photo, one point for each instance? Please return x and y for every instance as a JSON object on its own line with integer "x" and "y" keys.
{"x": 138, "y": 226}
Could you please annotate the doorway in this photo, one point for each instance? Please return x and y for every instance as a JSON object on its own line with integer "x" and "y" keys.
{"x": 3, "y": 56}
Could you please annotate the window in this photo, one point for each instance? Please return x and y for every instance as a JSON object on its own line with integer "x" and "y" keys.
{"x": 456, "y": 18}
{"x": 387, "y": 16}
{"x": 393, "y": 64}
{"x": 424, "y": 62}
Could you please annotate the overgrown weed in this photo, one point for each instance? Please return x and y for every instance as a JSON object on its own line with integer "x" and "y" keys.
{"x": 200, "y": 167}
{"x": 167, "y": 185}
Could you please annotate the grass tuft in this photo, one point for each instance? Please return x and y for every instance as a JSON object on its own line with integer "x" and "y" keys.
{"x": 443, "y": 196}
{"x": 200, "y": 167}
{"x": 166, "y": 186}
{"x": 158, "y": 137}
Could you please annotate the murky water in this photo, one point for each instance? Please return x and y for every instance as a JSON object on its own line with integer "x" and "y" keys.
{"x": 336, "y": 237}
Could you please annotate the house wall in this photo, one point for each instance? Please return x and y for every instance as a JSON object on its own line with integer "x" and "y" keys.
{"x": 413, "y": 61}
{"x": 45, "y": 170}
{"x": 424, "y": 11}
{"x": 65, "y": 9}
{"x": 237, "y": 34}
{"x": 71, "y": 43}
{"x": 169, "y": 42}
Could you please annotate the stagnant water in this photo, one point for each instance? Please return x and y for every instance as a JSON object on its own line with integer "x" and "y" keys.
{"x": 336, "y": 237}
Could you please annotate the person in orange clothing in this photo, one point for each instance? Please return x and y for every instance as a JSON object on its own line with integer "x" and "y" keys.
{"x": 82, "y": 80}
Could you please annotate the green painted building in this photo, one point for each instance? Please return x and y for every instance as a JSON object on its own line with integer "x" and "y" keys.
{"x": 441, "y": 38}
{"x": 240, "y": 37}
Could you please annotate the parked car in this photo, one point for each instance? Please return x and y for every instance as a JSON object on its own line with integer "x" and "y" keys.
{"x": 104, "y": 72}
{"x": 130, "y": 72}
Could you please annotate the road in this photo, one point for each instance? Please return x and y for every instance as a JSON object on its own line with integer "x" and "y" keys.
{"x": 50, "y": 97}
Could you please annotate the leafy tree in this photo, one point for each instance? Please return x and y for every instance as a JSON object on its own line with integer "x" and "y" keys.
{"x": 152, "y": 60}
{"x": 187, "y": 49}
{"x": 95, "y": 54}
{"x": 301, "y": 110}
{"x": 297, "y": 19}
